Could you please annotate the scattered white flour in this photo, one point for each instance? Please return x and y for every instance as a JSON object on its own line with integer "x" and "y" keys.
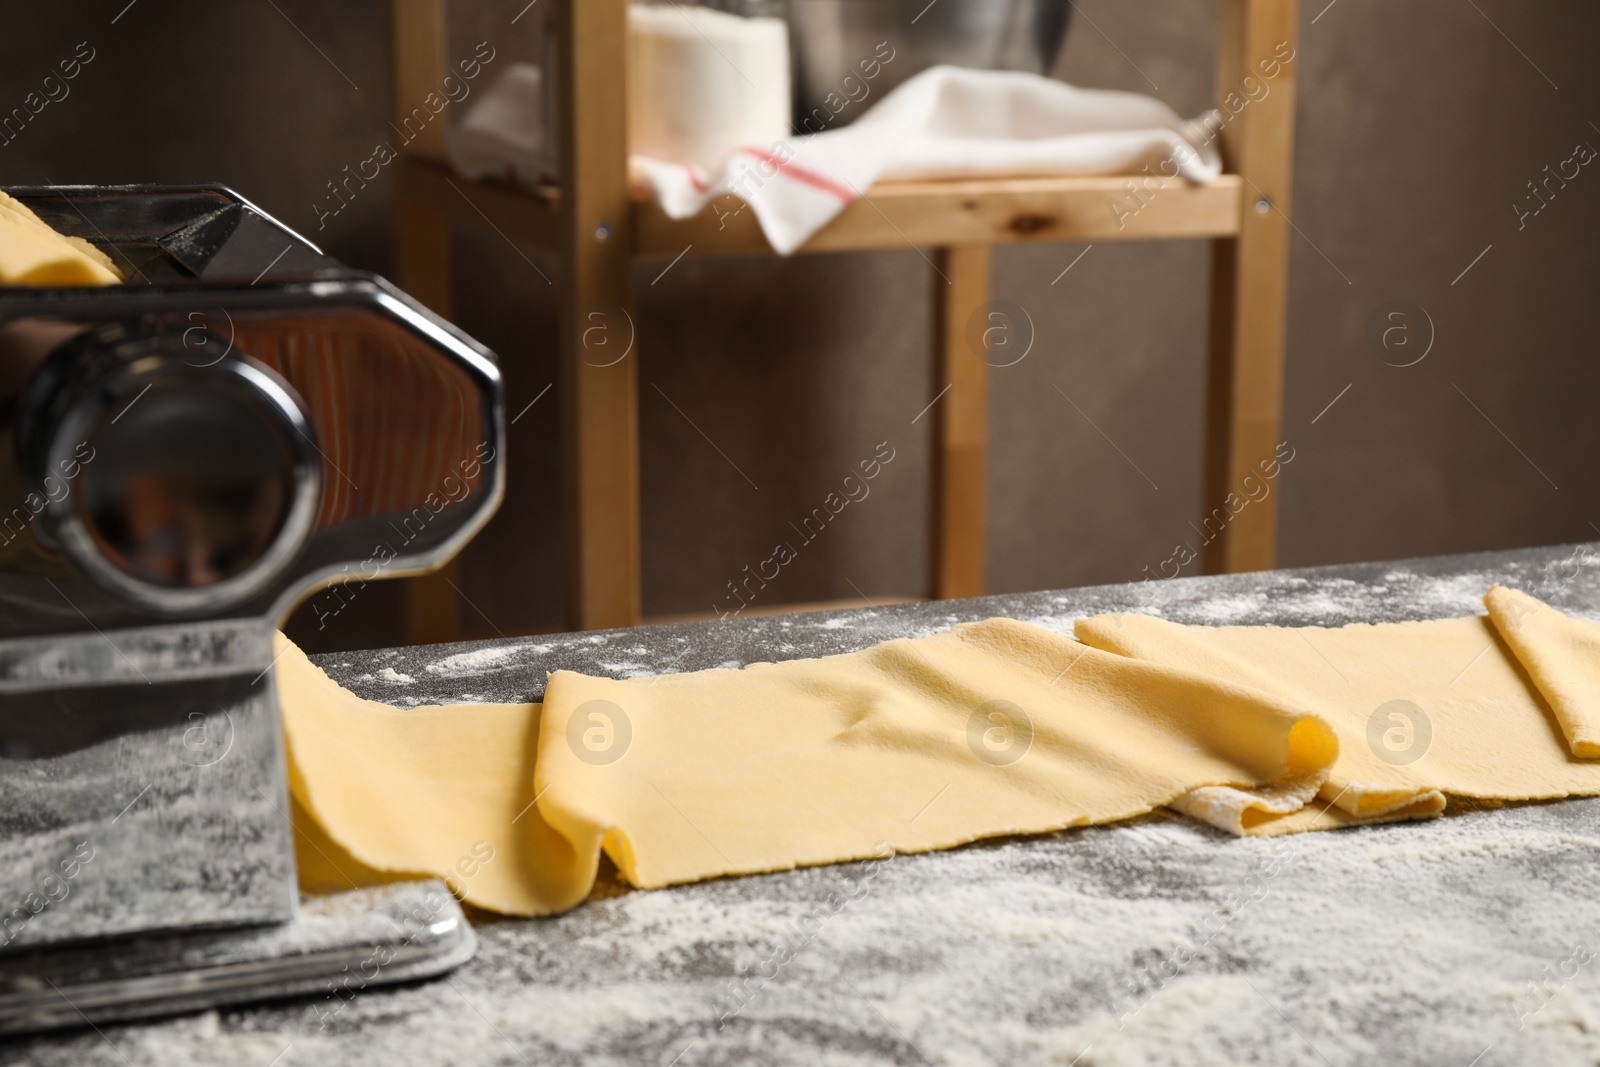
{"x": 1030, "y": 952}
{"x": 1114, "y": 946}
{"x": 484, "y": 659}
{"x": 1239, "y": 608}
{"x": 1463, "y": 592}
{"x": 629, "y": 669}
{"x": 1321, "y": 605}
{"x": 394, "y": 677}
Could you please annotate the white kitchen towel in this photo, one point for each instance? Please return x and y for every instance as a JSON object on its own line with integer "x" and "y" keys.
{"x": 947, "y": 122}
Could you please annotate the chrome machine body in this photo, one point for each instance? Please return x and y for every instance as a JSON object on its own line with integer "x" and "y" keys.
{"x": 183, "y": 459}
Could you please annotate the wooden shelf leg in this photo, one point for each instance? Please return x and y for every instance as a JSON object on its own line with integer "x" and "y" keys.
{"x": 419, "y": 39}
{"x": 1249, "y": 284}
{"x": 599, "y": 354}
{"x": 961, "y": 289}
{"x": 422, "y": 268}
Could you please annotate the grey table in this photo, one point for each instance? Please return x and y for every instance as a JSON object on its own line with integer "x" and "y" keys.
{"x": 1458, "y": 942}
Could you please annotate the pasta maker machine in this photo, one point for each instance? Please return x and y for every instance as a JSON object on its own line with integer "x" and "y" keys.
{"x": 184, "y": 458}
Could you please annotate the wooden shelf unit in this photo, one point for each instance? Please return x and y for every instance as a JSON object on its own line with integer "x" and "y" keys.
{"x": 597, "y": 231}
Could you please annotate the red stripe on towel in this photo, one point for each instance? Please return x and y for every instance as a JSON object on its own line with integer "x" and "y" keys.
{"x": 695, "y": 180}
{"x": 801, "y": 174}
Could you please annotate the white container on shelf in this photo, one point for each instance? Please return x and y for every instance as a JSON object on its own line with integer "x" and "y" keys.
{"x": 702, "y": 83}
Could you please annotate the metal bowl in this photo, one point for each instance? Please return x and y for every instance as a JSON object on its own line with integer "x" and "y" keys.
{"x": 840, "y": 46}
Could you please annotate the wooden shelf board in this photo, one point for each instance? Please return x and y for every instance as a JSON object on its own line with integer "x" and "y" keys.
{"x": 949, "y": 213}
{"x": 890, "y": 215}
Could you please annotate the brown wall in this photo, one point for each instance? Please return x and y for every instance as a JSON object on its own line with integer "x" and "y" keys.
{"x": 1419, "y": 125}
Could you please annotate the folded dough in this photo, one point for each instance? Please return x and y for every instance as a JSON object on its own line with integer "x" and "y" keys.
{"x": 418, "y": 791}
{"x": 1422, "y": 709}
{"x": 991, "y": 728}
{"x": 1561, "y": 656}
{"x": 821, "y": 760}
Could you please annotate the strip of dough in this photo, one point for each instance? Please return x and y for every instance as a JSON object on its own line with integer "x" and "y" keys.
{"x": 1561, "y": 656}
{"x": 1482, "y": 731}
{"x": 991, "y": 728}
{"x": 413, "y": 792}
{"x": 987, "y": 729}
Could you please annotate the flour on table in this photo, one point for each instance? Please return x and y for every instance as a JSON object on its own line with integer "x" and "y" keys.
{"x": 484, "y": 659}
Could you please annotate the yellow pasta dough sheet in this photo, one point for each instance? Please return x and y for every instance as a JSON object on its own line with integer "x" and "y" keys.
{"x": 31, "y": 253}
{"x": 1422, "y": 709}
{"x": 1561, "y": 656}
{"x": 987, "y": 729}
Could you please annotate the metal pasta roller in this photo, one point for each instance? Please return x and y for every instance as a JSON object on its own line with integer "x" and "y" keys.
{"x": 183, "y": 459}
